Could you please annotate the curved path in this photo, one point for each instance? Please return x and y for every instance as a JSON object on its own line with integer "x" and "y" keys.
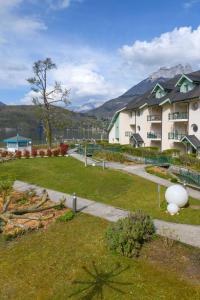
{"x": 188, "y": 234}
{"x": 138, "y": 170}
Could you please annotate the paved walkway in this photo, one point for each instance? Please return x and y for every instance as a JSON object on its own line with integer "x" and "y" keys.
{"x": 188, "y": 234}
{"x": 138, "y": 170}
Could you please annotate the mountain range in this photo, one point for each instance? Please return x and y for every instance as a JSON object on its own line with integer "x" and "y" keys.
{"x": 107, "y": 109}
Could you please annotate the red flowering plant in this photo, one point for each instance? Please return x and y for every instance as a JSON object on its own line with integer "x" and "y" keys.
{"x": 26, "y": 154}
{"x": 49, "y": 152}
{"x": 4, "y": 153}
{"x": 18, "y": 154}
{"x": 42, "y": 153}
{"x": 34, "y": 153}
{"x": 56, "y": 152}
{"x": 63, "y": 149}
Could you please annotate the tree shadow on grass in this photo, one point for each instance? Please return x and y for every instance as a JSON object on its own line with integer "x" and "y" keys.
{"x": 100, "y": 279}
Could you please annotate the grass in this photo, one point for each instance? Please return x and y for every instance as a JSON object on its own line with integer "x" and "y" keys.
{"x": 113, "y": 187}
{"x": 71, "y": 261}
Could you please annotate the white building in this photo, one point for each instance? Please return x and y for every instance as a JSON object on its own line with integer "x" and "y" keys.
{"x": 18, "y": 143}
{"x": 168, "y": 116}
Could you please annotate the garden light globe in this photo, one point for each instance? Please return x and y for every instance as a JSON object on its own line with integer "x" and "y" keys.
{"x": 172, "y": 209}
{"x": 176, "y": 194}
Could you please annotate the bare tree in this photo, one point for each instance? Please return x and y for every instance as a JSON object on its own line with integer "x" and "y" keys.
{"x": 47, "y": 95}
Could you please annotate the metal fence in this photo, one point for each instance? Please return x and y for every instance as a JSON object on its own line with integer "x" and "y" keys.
{"x": 91, "y": 148}
{"x": 190, "y": 177}
{"x": 158, "y": 161}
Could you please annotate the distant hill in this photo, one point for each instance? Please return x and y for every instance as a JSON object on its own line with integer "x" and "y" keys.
{"x": 23, "y": 119}
{"x": 2, "y": 104}
{"x": 107, "y": 109}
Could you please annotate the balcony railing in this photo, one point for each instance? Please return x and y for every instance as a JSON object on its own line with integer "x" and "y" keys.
{"x": 176, "y": 136}
{"x": 178, "y": 116}
{"x": 151, "y": 118}
{"x": 153, "y": 135}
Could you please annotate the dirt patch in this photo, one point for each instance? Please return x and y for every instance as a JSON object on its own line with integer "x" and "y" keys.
{"x": 19, "y": 224}
{"x": 174, "y": 256}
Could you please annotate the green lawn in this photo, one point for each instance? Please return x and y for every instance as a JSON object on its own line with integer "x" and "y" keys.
{"x": 108, "y": 186}
{"x": 60, "y": 262}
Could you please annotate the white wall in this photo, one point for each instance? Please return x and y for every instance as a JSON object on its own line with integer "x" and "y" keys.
{"x": 29, "y": 148}
{"x": 124, "y": 126}
{"x": 111, "y": 136}
{"x": 143, "y": 125}
{"x": 194, "y": 118}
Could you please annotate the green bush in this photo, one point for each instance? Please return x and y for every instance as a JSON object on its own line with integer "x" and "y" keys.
{"x": 172, "y": 152}
{"x": 127, "y": 235}
{"x": 109, "y": 156}
{"x": 161, "y": 173}
{"x": 141, "y": 151}
{"x": 69, "y": 215}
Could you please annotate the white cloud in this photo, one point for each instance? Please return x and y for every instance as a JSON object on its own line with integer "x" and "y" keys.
{"x": 13, "y": 23}
{"x": 182, "y": 45}
{"x": 85, "y": 83}
{"x": 190, "y": 3}
{"x": 60, "y": 4}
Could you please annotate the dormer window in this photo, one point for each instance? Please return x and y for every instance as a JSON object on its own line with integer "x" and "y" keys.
{"x": 185, "y": 84}
{"x": 159, "y": 91}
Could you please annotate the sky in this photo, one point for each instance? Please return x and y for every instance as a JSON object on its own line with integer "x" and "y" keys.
{"x": 101, "y": 47}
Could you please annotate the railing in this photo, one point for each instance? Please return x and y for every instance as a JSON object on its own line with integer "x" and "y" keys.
{"x": 153, "y": 135}
{"x": 151, "y": 118}
{"x": 178, "y": 116}
{"x": 91, "y": 148}
{"x": 176, "y": 136}
{"x": 190, "y": 177}
{"x": 158, "y": 161}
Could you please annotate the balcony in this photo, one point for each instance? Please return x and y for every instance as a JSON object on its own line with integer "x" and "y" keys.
{"x": 177, "y": 136}
{"x": 154, "y": 136}
{"x": 178, "y": 116}
{"x": 154, "y": 118}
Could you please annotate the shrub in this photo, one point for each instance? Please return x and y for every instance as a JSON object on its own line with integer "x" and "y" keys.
{"x": 127, "y": 236}
{"x": 26, "y": 154}
{"x": 56, "y": 152}
{"x": 161, "y": 172}
{"x": 49, "y": 153}
{"x": 4, "y": 153}
{"x": 141, "y": 151}
{"x": 34, "y": 153}
{"x": 69, "y": 215}
{"x": 109, "y": 156}
{"x": 63, "y": 149}
{"x": 42, "y": 153}
{"x": 18, "y": 154}
{"x": 172, "y": 152}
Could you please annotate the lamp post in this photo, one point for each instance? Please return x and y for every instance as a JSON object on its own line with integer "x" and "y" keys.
{"x": 74, "y": 203}
{"x": 85, "y": 155}
{"x": 159, "y": 195}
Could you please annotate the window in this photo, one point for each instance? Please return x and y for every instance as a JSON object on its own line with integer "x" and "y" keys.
{"x": 186, "y": 86}
{"x": 195, "y": 106}
{"x": 128, "y": 133}
{"x": 194, "y": 127}
{"x": 138, "y": 128}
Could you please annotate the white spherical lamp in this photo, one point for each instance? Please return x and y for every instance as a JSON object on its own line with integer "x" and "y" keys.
{"x": 176, "y": 194}
{"x": 172, "y": 209}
